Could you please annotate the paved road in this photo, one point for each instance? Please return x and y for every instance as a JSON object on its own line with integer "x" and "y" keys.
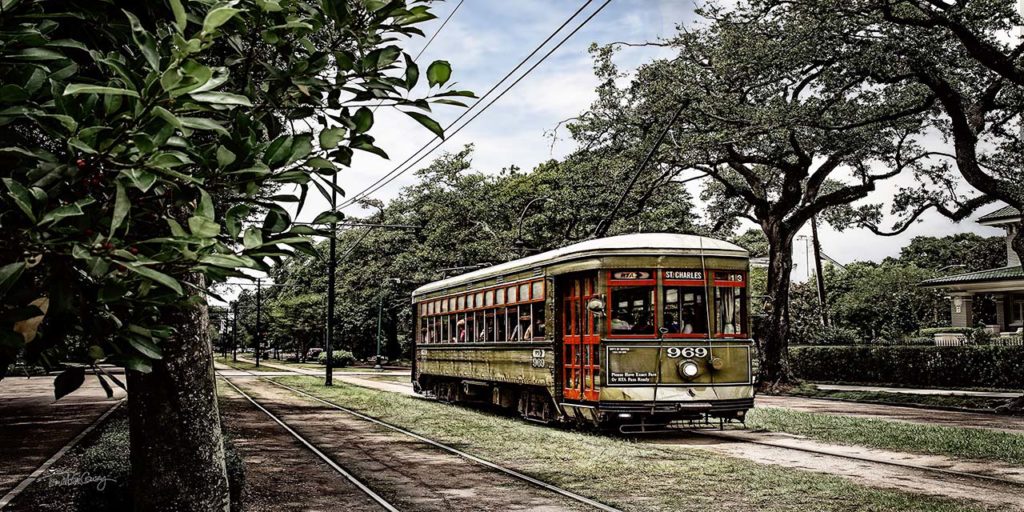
{"x": 33, "y": 427}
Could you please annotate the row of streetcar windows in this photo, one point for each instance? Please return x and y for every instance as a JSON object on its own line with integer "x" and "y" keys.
{"x": 517, "y": 313}
{"x": 682, "y": 309}
{"x": 507, "y": 313}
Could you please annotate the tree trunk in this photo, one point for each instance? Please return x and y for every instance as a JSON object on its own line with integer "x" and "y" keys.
{"x": 177, "y": 449}
{"x": 774, "y": 346}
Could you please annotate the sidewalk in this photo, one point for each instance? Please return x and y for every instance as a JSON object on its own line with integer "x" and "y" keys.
{"x": 348, "y": 377}
{"x": 917, "y": 391}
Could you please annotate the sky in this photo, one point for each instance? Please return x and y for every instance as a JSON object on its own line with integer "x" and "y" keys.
{"x": 487, "y": 38}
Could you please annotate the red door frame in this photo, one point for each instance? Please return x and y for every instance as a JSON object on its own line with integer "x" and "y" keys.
{"x": 579, "y": 353}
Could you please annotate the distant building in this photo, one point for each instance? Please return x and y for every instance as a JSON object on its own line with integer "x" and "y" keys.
{"x": 1005, "y": 284}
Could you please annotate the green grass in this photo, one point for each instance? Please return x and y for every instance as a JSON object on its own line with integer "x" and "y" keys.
{"x": 403, "y": 379}
{"x": 627, "y": 474}
{"x": 886, "y": 397}
{"x": 962, "y": 443}
{"x": 238, "y": 365}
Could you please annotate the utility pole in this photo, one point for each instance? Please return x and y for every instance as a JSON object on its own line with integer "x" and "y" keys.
{"x": 234, "y": 331}
{"x": 259, "y": 328}
{"x": 332, "y": 266}
{"x": 819, "y": 275}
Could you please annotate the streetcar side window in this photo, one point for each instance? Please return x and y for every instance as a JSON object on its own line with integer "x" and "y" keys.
{"x": 684, "y": 310}
{"x": 536, "y": 329}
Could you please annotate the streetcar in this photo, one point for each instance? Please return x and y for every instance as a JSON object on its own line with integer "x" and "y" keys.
{"x": 639, "y": 332}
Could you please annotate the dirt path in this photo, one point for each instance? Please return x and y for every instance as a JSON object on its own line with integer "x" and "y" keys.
{"x": 1012, "y": 424}
{"x": 1003, "y": 496}
{"x": 281, "y": 474}
{"x": 33, "y": 426}
{"x": 410, "y": 474}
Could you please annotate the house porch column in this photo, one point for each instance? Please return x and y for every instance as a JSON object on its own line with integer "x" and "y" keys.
{"x": 961, "y": 308}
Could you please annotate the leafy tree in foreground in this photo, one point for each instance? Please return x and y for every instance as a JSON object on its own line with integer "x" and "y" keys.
{"x": 144, "y": 149}
{"x": 784, "y": 133}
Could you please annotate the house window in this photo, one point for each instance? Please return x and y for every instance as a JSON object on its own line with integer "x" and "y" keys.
{"x": 1017, "y": 314}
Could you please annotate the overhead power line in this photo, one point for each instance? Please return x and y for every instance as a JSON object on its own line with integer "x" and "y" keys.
{"x": 438, "y": 31}
{"x": 409, "y": 162}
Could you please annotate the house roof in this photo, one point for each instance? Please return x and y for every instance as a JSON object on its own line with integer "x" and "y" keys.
{"x": 993, "y": 274}
{"x": 635, "y": 244}
{"x": 1004, "y": 213}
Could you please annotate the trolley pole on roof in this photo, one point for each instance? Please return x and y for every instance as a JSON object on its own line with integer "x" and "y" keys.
{"x": 332, "y": 266}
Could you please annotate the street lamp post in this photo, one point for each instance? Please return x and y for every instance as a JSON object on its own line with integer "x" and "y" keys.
{"x": 259, "y": 328}
{"x": 380, "y": 315}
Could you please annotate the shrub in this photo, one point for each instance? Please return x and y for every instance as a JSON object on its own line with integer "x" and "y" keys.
{"x": 968, "y": 366}
{"x": 106, "y": 462}
{"x": 339, "y": 358}
{"x": 833, "y": 335}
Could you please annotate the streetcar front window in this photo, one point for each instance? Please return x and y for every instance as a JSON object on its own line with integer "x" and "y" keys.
{"x": 684, "y": 310}
{"x": 632, "y": 310}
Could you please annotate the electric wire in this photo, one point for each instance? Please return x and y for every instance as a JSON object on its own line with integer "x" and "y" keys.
{"x": 405, "y": 166}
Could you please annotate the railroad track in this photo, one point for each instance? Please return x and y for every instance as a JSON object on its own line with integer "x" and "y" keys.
{"x": 363, "y": 487}
{"x": 724, "y": 435}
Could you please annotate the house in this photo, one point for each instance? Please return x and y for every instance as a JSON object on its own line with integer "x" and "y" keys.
{"x": 1005, "y": 284}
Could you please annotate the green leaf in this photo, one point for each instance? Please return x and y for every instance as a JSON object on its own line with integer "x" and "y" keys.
{"x": 426, "y": 121}
{"x": 142, "y": 180}
{"x": 12, "y": 93}
{"x": 302, "y": 146}
{"x": 9, "y": 275}
{"x": 145, "y": 346}
{"x": 328, "y": 217}
{"x": 331, "y": 137}
{"x": 221, "y": 98}
{"x": 253, "y": 238}
{"x": 234, "y": 217}
{"x": 121, "y": 207}
{"x": 202, "y": 123}
{"x": 438, "y": 72}
{"x": 21, "y": 197}
{"x": 166, "y": 115}
{"x": 156, "y": 276}
{"x": 180, "y": 19}
{"x": 205, "y": 207}
{"x": 203, "y": 227}
{"x": 63, "y": 212}
{"x": 412, "y": 72}
{"x": 224, "y": 157}
{"x": 68, "y": 381}
{"x": 320, "y": 163}
{"x": 226, "y": 260}
{"x": 73, "y": 89}
{"x": 217, "y": 17}
{"x": 363, "y": 119}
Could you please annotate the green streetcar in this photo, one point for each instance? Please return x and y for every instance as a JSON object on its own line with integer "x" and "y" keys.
{"x": 637, "y": 332}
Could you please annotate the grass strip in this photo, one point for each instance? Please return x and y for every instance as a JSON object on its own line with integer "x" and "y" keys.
{"x": 962, "y": 443}
{"x": 627, "y": 474}
{"x": 975, "y": 403}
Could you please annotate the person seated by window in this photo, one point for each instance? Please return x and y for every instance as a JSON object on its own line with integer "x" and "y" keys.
{"x": 462, "y": 331}
{"x": 687, "y": 320}
{"x": 538, "y": 328}
{"x": 643, "y": 325}
{"x": 621, "y": 321}
{"x": 671, "y": 324}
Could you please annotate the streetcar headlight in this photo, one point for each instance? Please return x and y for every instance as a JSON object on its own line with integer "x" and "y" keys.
{"x": 689, "y": 369}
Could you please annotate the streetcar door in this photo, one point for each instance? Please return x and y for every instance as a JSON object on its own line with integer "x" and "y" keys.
{"x": 580, "y": 340}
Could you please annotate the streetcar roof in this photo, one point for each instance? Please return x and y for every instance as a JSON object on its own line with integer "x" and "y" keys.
{"x": 631, "y": 245}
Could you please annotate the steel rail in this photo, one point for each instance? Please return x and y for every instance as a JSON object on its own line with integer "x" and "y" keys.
{"x": 511, "y": 472}
{"x": 904, "y": 465}
{"x": 351, "y": 478}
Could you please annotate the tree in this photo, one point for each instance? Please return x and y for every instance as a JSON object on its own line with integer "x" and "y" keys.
{"x": 145, "y": 149}
{"x": 962, "y": 252}
{"x": 968, "y": 56}
{"x": 782, "y": 132}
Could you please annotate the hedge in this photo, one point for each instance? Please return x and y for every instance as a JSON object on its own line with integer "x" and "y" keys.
{"x": 972, "y": 366}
